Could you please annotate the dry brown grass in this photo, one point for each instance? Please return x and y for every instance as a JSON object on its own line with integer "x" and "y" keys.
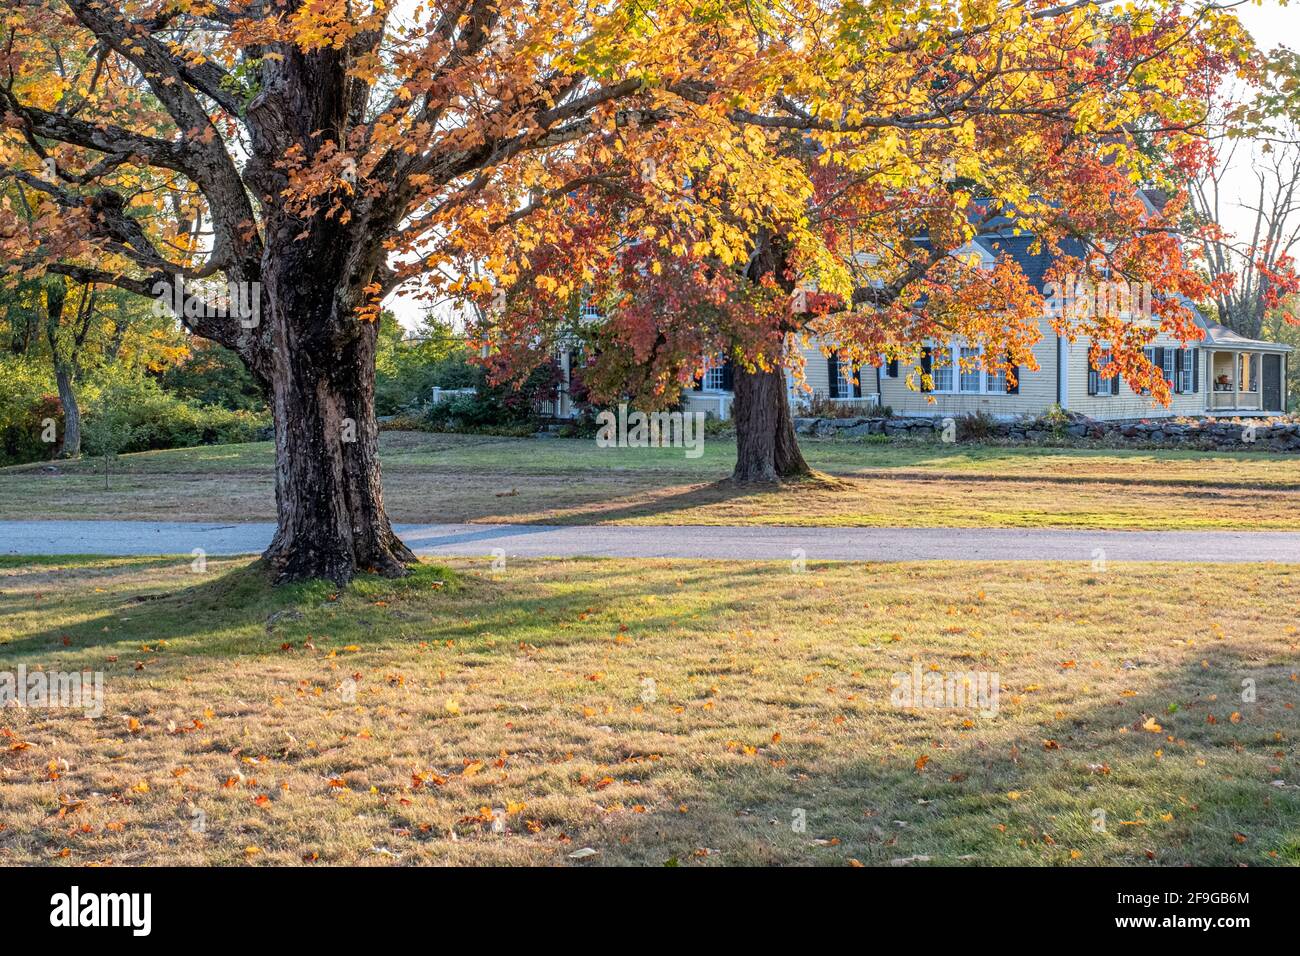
{"x": 656, "y": 712}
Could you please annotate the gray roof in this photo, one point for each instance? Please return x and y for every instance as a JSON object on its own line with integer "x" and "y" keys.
{"x": 1220, "y": 336}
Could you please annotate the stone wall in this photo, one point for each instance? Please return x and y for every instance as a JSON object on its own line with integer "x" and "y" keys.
{"x": 1263, "y": 434}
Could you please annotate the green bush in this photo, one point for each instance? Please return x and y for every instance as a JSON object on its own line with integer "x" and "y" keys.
{"x": 1056, "y": 419}
{"x": 213, "y": 375}
{"x": 495, "y": 409}
{"x": 27, "y": 399}
{"x": 121, "y": 411}
{"x": 407, "y": 369}
{"x": 486, "y": 411}
{"x": 126, "y": 414}
{"x": 407, "y": 382}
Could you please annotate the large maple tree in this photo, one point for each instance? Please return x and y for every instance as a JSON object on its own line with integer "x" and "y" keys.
{"x": 317, "y": 154}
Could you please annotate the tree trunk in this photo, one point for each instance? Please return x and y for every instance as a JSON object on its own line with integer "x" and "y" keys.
{"x": 329, "y": 500}
{"x": 71, "y": 445}
{"x": 309, "y": 347}
{"x": 766, "y": 447}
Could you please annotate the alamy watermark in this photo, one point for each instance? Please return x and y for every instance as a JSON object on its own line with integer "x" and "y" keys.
{"x": 240, "y": 300}
{"x": 653, "y": 430}
{"x": 49, "y": 689}
{"x": 1081, "y": 298}
{"x": 935, "y": 690}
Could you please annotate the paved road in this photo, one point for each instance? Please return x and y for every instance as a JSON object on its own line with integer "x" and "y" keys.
{"x": 695, "y": 541}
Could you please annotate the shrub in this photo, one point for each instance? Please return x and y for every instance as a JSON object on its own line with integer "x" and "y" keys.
{"x": 134, "y": 414}
{"x": 823, "y": 406}
{"x": 495, "y": 409}
{"x": 406, "y": 384}
{"x": 977, "y": 426}
{"x": 408, "y": 368}
{"x": 1055, "y": 420}
{"x": 213, "y": 375}
{"x": 27, "y": 399}
{"x": 717, "y": 428}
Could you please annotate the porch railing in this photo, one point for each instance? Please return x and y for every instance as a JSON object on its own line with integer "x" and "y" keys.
{"x": 1231, "y": 398}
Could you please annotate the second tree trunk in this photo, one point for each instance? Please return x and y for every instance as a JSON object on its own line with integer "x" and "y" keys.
{"x": 766, "y": 447}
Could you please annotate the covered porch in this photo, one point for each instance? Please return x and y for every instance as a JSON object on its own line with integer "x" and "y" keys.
{"x": 1243, "y": 376}
{"x": 1245, "y": 382}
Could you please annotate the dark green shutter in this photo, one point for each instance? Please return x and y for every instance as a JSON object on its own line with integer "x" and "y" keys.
{"x": 833, "y": 374}
{"x": 857, "y": 381}
{"x": 893, "y": 368}
{"x": 1094, "y": 378}
{"x": 925, "y": 368}
{"x": 1013, "y": 389}
{"x": 728, "y": 376}
{"x": 1196, "y": 370}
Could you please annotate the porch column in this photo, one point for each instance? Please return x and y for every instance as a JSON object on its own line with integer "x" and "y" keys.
{"x": 1236, "y": 379}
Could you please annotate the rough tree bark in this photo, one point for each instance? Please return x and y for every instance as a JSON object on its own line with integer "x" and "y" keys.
{"x": 766, "y": 447}
{"x": 317, "y": 355}
{"x": 65, "y": 365}
{"x": 70, "y": 447}
{"x": 329, "y": 498}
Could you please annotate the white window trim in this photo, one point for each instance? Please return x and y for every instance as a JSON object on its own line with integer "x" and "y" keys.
{"x": 846, "y": 382}
{"x": 954, "y": 368}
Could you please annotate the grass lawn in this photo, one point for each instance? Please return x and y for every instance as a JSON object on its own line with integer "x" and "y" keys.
{"x": 654, "y": 712}
{"x": 437, "y": 478}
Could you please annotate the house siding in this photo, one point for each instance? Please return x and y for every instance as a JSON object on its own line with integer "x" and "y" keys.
{"x": 817, "y": 377}
{"x": 1128, "y": 403}
{"x": 1037, "y": 389}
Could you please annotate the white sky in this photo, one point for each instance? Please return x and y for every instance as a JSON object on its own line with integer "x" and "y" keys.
{"x": 1271, "y": 24}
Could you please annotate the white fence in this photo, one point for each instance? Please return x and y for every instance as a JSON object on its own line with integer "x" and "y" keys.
{"x": 440, "y": 395}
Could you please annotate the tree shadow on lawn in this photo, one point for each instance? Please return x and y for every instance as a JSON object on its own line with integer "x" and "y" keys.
{"x": 236, "y": 610}
{"x": 1097, "y": 787}
{"x": 233, "y": 601}
{"x": 648, "y": 502}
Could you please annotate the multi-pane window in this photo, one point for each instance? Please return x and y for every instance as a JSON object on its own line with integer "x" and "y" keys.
{"x": 970, "y": 377}
{"x": 1167, "y": 365}
{"x": 969, "y": 369}
{"x": 846, "y": 380}
{"x": 715, "y": 377}
{"x": 1189, "y": 370}
{"x": 941, "y": 373}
